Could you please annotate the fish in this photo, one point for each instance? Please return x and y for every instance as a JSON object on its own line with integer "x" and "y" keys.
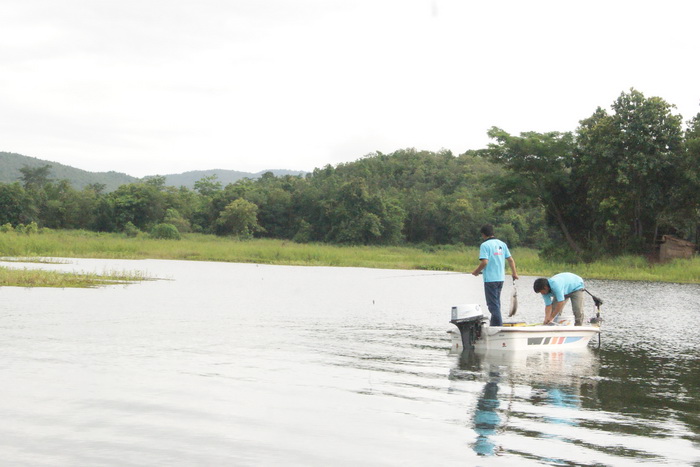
{"x": 513, "y": 301}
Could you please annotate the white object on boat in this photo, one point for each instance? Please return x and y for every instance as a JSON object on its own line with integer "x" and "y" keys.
{"x": 468, "y": 311}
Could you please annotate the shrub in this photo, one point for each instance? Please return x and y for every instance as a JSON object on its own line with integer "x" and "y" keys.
{"x": 131, "y": 230}
{"x": 7, "y": 228}
{"x": 304, "y": 234}
{"x": 172, "y": 216}
{"x": 29, "y": 229}
{"x": 165, "y": 231}
{"x": 239, "y": 219}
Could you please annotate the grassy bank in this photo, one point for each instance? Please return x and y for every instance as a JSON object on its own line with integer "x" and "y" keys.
{"x": 38, "y": 278}
{"x": 80, "y": 244}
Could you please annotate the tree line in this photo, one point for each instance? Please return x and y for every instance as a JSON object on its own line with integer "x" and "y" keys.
{"x": 612, "y": 186}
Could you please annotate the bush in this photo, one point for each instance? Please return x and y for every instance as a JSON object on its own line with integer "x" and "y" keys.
{"x": 304, "y": 234}
{"x": 7, "y": 228}
{"x": 557, "y": 252}
{"x": 131, "y": 230}
{"x": 29, "y": 229}
{"x": 165, "y": 231}
{"x": 239, "y": 219}
{"x": 175, "y": 218}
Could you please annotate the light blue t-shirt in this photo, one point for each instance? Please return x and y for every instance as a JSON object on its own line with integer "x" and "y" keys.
{"x": 562, "y": 284}
{"x": 496, "y": 252}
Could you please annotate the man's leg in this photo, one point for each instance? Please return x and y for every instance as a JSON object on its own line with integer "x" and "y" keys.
{"x": 577, "y": 305}
{"x": 492, "y": 291}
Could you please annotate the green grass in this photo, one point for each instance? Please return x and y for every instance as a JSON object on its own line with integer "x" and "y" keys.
{"x": 34, "y": 260}
{"x": 82, "y": 244}
{"x": 39, "y": 278}
{"x": 631, "y": 268}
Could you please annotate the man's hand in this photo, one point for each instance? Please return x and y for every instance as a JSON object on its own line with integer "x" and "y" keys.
{"x": 480, "y": 267}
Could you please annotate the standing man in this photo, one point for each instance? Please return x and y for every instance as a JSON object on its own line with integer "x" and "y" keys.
{"x": 493, "y": 254}
{"x": 556, "y": 291}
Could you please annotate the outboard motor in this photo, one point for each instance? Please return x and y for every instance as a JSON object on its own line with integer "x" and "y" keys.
{"x": 469, "y": 319}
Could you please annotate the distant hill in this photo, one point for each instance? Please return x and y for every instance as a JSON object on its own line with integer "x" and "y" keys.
{"x": 11, "y": 163}
{"x": 225, "y": 177}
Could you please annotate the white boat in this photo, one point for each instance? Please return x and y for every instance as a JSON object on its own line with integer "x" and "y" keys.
{"x": 474, "y": 332}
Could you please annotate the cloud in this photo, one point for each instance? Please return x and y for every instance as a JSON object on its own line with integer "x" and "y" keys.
{"x": 161, "y": 87}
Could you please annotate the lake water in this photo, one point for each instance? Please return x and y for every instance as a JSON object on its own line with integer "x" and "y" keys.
{"x": 240, "y": 364}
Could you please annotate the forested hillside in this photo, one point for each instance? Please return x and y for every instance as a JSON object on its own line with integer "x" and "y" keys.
{"x": 188, "y": 179}
{"x": 611, "y": 187}
{"x": 11, "y": 164}
{"x": 407, "y": 196}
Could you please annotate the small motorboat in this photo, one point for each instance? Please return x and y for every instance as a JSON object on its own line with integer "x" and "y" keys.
{"x": 474, "y": 332}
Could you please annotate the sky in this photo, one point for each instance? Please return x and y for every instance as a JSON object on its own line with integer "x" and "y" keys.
{"x": 157, "y": 87}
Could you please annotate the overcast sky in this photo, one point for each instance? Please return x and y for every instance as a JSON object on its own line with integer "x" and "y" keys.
{"x": 160, "y": 87}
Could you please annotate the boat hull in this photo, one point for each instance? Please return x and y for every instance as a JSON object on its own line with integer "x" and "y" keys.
{"x": 530, "y": 337}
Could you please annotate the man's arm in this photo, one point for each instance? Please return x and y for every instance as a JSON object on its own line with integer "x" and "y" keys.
{"x": 511, "y": 263}
{"x": 547, "y": 313}
{"x": 553, "y": 310}
{"x": 480, "y": 267}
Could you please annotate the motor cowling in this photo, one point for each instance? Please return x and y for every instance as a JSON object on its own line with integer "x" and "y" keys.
{"x": 469, "y": 319}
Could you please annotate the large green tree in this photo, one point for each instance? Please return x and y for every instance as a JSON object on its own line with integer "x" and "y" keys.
{"x": 632, "y": 162}
{"x": 35, "y": 177}
{"x": 539, "y": 166}
{"x": 239, "y": 219}
{"x": 142, "y": 204}
{"x": 359, "y": 215}
{"x": 690, "y": 197}
{"x": 15, "y": 205}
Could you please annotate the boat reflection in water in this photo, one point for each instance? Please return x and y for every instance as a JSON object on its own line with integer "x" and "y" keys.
{"x": 523, "y": 397}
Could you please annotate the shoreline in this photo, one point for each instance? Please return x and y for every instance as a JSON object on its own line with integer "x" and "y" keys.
{"x": 200, "y": 247}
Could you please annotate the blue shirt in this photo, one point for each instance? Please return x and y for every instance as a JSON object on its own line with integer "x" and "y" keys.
{"x": 496, "y": 252}
{"x": 561, "y": 285}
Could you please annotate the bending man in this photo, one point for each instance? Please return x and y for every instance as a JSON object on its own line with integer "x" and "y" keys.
{"x": 556, "y": 291}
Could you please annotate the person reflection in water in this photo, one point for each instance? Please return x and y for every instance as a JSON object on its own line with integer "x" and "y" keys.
{"x": 486, "y": 418}
{"x": 557, "y": 398}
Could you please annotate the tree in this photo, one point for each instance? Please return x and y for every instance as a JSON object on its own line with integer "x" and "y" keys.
{"x": 275, "y": 212}
{"x": 156, "y": 181}
{"x": 139, "y": 203}
{"x": 540, "y": 167}
{"x": 15, "y": 205}
{"x": 35, "y": 177}
{"x": 208, "y": 186}
{"x": 174, "y": 218}
{"x": 358, "y": 216}
{"x": 463, "y": 219}
{"x": 426, "y": 220}
{"x": 67, "y": 208}
{"x": 239, "y": 218}
{"x": 632, "y": 163}
{"x": 690, "y": 197}
{"x": 98, "y": 188}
